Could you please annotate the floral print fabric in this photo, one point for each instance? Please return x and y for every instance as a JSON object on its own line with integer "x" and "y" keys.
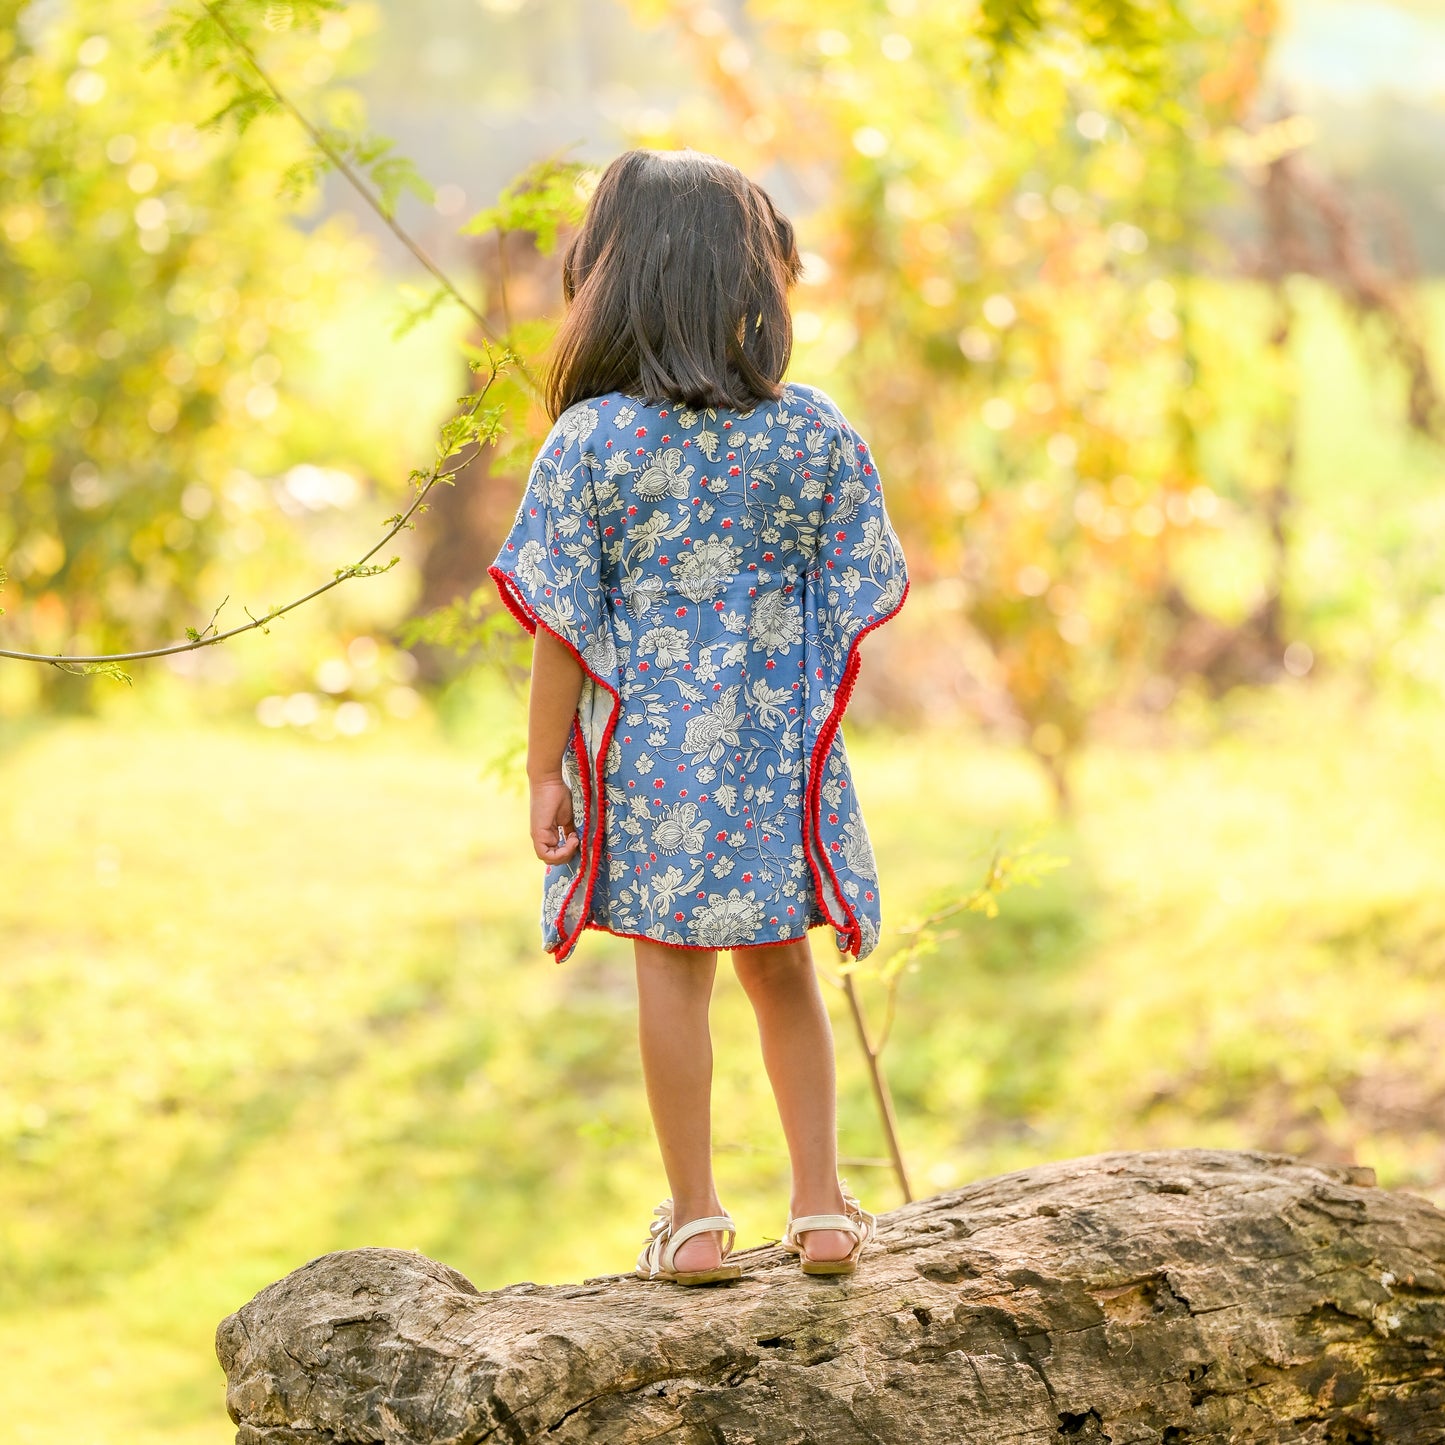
{"x": 713, "y": 571}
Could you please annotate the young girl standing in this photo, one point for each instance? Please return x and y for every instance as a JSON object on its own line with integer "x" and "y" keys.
{"x": 698, "y": 553}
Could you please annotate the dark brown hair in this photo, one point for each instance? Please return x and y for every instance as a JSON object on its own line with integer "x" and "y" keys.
{"x": 677, "y": 287}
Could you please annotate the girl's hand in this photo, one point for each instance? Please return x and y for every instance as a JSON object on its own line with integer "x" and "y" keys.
{"x": 554, "y": 834}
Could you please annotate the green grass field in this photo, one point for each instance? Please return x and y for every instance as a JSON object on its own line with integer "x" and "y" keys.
{"x": 267, "y": 997}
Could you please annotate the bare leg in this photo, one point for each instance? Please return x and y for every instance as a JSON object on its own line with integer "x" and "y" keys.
{"x": 797, "y": 1044}
{"x": 674, "y": 988}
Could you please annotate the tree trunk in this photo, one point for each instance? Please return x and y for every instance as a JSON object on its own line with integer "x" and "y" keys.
{"x": 1186, "y": 1296}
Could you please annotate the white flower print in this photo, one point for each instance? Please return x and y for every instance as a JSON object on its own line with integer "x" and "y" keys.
{"x": 678, "y": 829}
{"x": 669, "y": 643}
{"x": 667, "y": 885}
{"x": 646, "y": 537}
{"x": 875, "y": 545}
{"x": 858, "y": 851}
{"x": 776, "y": 623}
{"x": 642, "y": 592}
{"x": 664, "y": 476}
{"x": 705, "y": 568}
{"x": 712, "y": 730}
{"x": 529, "y": 567}
{"x": 578, "y": 423}
{"x": 849, "y": 496}
{"x": 770, "y": 702}
{"x": 725, "y": 920}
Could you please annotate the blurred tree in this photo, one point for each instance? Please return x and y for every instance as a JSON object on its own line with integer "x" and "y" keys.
{"x": 1015, "y": 196}
{"x": 1012, "y": 282}
{"x": 154, "y": 288}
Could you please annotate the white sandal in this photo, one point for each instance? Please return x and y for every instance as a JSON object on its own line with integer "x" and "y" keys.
{"x": 857, "y": 1222}
{"x": 660, "y": 1252}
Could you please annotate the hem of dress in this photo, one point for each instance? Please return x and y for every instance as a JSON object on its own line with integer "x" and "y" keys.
{"x": 705, "y": 947}
{"x": 813, "y": 803}
{"x": 530, "y": 619}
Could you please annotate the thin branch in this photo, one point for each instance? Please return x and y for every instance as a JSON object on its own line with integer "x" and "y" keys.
{"x": 343, "y": 574}
{"x": 344, "y": 168}
{"x": 358, "y": 183}
{"x": 881, "y": 1094}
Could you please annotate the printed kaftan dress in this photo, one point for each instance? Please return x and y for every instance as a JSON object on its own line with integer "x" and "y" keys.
{"x": 713, "y": 571}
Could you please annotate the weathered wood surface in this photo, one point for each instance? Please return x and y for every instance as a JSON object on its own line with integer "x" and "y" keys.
{"x": 1183, "y": 1296}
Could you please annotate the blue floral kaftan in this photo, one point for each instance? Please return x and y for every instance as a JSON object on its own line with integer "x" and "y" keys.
{"x": 714, "y": 572}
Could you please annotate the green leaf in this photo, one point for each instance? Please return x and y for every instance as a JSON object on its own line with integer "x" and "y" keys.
{"x": 543, "y": 199}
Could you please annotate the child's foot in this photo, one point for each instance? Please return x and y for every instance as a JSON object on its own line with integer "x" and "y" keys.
{"x": 823, "y": 1244}
{"x": 702, "y": 1251}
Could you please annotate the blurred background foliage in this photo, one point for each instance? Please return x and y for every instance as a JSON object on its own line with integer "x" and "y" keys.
{"x": 1138, "y": 303}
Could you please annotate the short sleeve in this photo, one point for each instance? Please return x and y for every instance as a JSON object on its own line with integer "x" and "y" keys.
{"x": 549, "y": 568}
{"x": 864, "y": 572}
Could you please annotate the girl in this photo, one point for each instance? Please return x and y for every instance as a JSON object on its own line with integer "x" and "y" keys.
{"x": 698, "y": 553}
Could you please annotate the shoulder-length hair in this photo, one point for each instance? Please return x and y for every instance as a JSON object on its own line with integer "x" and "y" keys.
{"x": 677, "y": 287}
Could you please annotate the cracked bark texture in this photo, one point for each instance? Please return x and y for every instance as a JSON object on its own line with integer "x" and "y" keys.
{"x": 1182, "y": 1296}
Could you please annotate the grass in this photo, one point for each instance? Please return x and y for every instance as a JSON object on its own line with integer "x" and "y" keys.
{"x": 267, "y": 997}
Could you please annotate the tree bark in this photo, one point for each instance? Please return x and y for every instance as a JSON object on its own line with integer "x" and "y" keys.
{"x": 1185, "y": 1296}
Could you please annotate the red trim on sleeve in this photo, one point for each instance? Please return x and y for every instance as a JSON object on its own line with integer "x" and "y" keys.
{"x": 813, "y": 803}
{"x": 592, "y": 829}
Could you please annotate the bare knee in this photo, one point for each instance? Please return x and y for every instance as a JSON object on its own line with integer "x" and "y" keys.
{"x": 674, "y": 972}
{"x": 775, "y": 968}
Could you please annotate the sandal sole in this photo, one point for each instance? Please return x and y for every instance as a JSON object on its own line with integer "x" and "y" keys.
{"x": 830, "y": 1266}
{"x": 700, "y": 1276}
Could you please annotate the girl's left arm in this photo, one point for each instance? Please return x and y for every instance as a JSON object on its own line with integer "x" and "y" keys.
{"x": 556, "y": 686}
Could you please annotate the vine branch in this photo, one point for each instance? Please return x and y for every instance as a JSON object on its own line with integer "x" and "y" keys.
{"x": 461, "y": 428}
{"x": 344, "y": 167}
{"x": 464, "y": 424}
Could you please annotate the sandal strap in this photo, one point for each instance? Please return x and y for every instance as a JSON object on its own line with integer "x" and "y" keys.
{"x": 695, "y": 1227}
{"x": 805, "y": 1223}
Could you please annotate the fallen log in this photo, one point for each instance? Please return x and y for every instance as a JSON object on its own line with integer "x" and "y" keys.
{"x": 1185, "y": 1296}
